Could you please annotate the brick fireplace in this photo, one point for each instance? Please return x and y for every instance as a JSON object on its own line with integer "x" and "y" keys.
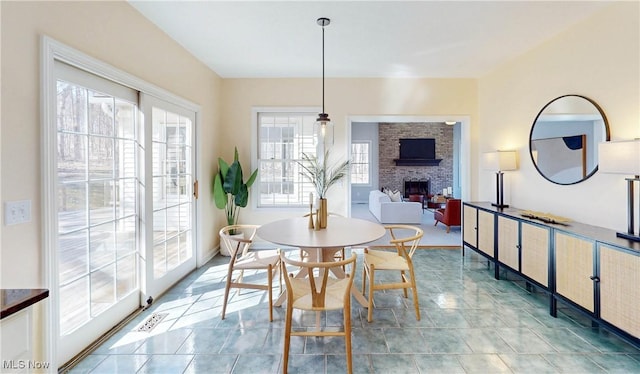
{"x": 416, "y": 187}
{"x": 394, "y": 177}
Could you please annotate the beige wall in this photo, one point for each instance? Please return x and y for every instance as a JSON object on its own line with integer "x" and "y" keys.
{"x": 343, "y": 98}
{"x": 112, "y": 32}
{"x": 598, "y": 58}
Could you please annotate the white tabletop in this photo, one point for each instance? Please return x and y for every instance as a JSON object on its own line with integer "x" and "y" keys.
{"x": 340, "y": 232}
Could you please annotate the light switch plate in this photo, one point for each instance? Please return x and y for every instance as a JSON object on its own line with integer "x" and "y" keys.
{"x": 17, "y": 212}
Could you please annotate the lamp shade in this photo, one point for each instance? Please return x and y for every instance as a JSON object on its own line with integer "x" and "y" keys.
{"x": 619, "y": 157}
{"x": 499, "y": 161}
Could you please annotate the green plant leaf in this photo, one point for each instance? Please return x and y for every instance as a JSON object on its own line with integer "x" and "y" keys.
{"x": 242, "y": 197}
{"x": 252, "y": 178}
{"x": 223, "y": 167}
{"x": 233, "y": 178}
{"x": 229, "y": 191}
{"x": 219, "y": 195}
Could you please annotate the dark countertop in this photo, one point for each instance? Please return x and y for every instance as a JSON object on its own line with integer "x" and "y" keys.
{"x": 13, "y": 300}
{"x": 600, "y": 234}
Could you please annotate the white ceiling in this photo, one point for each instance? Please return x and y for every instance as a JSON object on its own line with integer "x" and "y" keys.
{"x": 438, "y": 39}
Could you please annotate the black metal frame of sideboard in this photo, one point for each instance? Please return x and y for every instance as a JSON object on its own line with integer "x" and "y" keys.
{"x": 554, "y": 297}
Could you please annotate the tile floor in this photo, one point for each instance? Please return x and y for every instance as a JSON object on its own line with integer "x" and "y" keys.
{"x": 471, "y": 323}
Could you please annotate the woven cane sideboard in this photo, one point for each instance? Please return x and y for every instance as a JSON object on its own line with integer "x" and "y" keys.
{"x": 583, "y": 266}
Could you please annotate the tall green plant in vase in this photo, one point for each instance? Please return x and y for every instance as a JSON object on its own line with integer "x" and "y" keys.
{"x": 322, "y": 176}
{"x": 230, "y": 192}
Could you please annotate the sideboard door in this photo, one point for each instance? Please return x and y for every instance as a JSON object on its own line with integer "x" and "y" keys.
{"x": 486, "y": 233}
{"x": 534, "y": 252}
{"x": 470, "y": 225}
{"x": 575, "y": 270}
{"x": 508, "y": 242}
{"x": 619, "y": 289}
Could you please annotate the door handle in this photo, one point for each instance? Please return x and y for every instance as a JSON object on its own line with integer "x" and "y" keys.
{"x": 595, "y": 278}
{"x": 195, "y": 189}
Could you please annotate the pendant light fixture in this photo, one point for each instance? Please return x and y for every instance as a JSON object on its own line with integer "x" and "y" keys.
{"x": 323, "y": 120}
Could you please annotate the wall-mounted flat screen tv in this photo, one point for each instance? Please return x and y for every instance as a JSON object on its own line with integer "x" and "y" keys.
{"x": 421, "y": 148}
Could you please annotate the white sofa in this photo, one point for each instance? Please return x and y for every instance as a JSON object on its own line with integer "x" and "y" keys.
{"x": 387, "y": 211}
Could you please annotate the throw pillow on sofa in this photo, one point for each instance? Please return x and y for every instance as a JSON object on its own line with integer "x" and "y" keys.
{"x": 395, "y": 196}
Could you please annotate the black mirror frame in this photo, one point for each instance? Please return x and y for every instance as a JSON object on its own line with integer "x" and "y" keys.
{"x": 607, "y": 136}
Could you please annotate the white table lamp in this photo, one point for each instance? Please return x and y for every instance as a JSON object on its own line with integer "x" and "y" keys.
{"x": 500, "y": 161}
{"x": 623, "y": 157}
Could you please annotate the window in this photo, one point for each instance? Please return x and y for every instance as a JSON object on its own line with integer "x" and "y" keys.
{"x": 282, "y": 139}
{"x": 360, "y": 163}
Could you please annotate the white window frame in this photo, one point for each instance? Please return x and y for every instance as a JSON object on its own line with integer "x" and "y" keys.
{"x": 255, "y": 162}
{"x": 368, "y": 183}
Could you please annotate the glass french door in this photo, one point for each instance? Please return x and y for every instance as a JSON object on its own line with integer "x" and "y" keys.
{"x": 124, "y": 204}
{"x": 171, "y": 196}
{"x": 97, "y": 207}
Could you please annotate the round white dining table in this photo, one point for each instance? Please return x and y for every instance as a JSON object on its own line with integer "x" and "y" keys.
{"x": 340, "y": 232}
{"x": 321, "y": 245}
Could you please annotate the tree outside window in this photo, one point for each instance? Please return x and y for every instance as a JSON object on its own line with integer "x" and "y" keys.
{"x": 282, "y": 139}
{"x": 360, "y": 163}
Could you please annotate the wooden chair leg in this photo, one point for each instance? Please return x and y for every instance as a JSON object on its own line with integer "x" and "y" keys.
{"x": 224, "y": 303}
{"x": 364, "y": 279}
{"x": 364, "y": 275}
{"x": 403, "y": 279}
{"x": 414, "y": 289}
{"x": 226, "y": 293}
{"x": 287, "y": 338}
{"x": 347, "y": 336}
{"x": 371, "y": 280}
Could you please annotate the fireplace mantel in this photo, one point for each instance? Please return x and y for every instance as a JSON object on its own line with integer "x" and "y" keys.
{"x": 417, "y": 161}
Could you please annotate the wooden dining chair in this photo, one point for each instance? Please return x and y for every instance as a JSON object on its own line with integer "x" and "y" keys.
{"x": 318, "y": 292}
{"x": 404, "y": 241}
{"x": 339, "y": 256}
{"x": 238, "y": 238}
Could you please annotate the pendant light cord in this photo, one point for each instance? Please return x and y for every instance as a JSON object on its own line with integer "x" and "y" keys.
{"x": 323, "y": 118}
{"x": 323, "y": 69}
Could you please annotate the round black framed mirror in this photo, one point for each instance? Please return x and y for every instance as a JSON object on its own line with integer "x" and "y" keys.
{"x": 564, "y": 138}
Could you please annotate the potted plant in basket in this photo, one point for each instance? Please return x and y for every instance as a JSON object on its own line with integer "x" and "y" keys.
{"x": 322, "y": 177}
{"x": 230, "y": 192}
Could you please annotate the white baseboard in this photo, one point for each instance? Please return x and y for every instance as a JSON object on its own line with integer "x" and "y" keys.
{"x": 210, "y": 254}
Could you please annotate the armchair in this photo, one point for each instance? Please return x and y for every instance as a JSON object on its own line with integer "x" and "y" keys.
{"x": 449, "y": 215}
